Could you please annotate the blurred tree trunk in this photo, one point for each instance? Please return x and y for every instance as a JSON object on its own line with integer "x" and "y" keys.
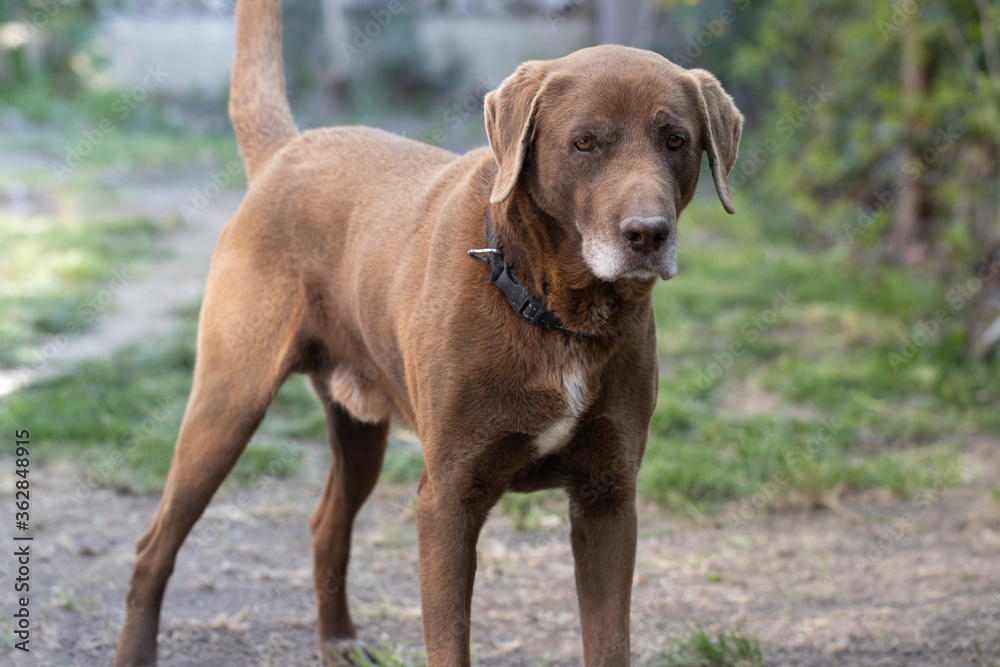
{"x": 617, "y": 21}
{"x": 335, "y": 30}
{"x": 908, "y": 233}
{"x": 984, "y": 320}
{"x": 991, "y": 54}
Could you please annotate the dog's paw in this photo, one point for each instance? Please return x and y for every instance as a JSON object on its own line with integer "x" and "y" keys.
{"x": 348, "y": 653}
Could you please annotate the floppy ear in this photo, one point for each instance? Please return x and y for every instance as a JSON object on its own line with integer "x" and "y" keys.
{"x": 510, "y": 114}
{"x": 723, "y": 126}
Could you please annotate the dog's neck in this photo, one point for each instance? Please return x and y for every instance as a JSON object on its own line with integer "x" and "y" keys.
{"x": 545, "y": 254}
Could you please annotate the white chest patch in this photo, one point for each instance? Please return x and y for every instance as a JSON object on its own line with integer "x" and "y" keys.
{"x": 558, "y": 434}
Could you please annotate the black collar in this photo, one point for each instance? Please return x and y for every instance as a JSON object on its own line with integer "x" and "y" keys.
{"x": 525, "y": 305}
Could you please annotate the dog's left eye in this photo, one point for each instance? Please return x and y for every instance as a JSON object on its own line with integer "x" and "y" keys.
{"x": 675, "y": 142}
{"x": 584, "y": 144}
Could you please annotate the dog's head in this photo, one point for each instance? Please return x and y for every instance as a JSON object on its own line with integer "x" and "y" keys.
{"x": 612, "y": 138}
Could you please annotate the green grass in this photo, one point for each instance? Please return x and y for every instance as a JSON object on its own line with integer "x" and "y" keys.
{"x": 59, "y": 273}
{"x": 402, "y": 464}
{"x": 734, "y": 648}
{"x": 752, "y": 317}
{"x": 119, "y": 417}
{"x": 845, "y": 420}
{"x": 61, "y": 267}
{"x": 142, "y": 133}
{"x": 140, "y": 151}
{"x": 386, "y": 656}
{"x": 840, "y": 417}
{"x": 526, "y": 510}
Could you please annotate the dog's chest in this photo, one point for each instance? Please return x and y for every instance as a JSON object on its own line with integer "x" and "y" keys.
{"x": 577, "y": 396}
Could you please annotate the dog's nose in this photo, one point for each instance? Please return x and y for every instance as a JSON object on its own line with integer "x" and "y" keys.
{"x": 646, "y": 233}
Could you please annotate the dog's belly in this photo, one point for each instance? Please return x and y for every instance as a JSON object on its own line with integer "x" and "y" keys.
{"x": 358, "y": 392}
{"x": 574, "y": 387}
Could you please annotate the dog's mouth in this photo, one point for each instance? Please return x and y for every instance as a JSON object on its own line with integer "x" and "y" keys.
{"x": 617, "y": 262}
{"x": 662, "y": 264}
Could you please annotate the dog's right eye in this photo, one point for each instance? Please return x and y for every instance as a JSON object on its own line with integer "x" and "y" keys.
{"x": 584, "y": 144}
{"x": 675, "y": 142}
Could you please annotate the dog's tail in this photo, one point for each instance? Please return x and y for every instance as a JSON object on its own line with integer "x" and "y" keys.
{"x": 258, "y": 103}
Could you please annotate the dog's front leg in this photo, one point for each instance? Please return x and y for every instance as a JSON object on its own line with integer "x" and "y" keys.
{"x": 451, "y": 511}
{"x": 603, "y": 535}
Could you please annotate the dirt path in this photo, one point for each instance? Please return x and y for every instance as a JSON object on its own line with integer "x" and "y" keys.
{"x": 878, "y": 583}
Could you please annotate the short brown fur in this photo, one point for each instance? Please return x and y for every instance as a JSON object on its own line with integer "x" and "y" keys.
{"x": 347, "y": 262}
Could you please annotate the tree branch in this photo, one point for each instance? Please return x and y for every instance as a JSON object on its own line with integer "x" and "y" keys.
{"x": 991, "y": 51}
{"x": 958, "y": 46}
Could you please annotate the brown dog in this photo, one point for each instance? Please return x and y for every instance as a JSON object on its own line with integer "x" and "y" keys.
{"x": 348, "y": 262}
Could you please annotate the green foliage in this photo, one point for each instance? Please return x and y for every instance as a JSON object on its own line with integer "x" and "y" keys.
{"x": 831, "y": 154}
{"x": 61, "y": 30}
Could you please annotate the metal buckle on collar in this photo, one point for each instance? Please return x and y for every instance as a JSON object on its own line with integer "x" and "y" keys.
{"x": 530, "y": 310}
{"x": 475, "y": 253}
{"x": 521, "y": 302}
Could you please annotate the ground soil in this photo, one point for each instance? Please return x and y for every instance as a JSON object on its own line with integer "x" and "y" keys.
{"x": 874, "y": 582}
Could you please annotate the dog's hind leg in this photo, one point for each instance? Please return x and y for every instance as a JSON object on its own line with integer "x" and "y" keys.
{"x": 356, "y": 452}
{"x": 237, "y": 373}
